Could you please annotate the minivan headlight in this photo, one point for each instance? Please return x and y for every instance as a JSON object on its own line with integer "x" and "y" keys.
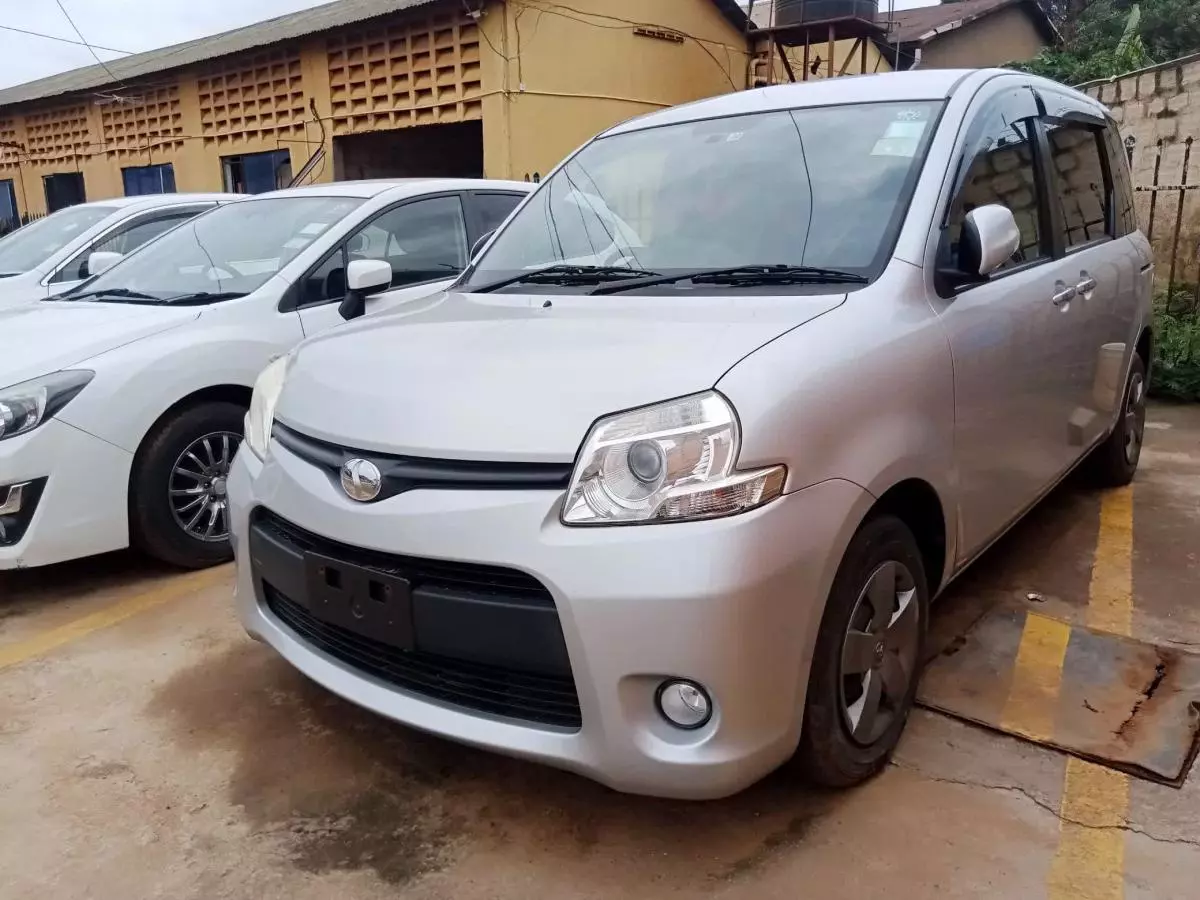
{"x": 669, "y": 462}
{"x": 25, "y": 406}
{"x": 261, "y": 417}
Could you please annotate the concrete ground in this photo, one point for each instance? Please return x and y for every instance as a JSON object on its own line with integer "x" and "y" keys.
{"x": 148, "y": 749}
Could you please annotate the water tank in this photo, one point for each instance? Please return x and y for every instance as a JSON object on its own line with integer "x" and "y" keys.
{"x": 797, "y": 12}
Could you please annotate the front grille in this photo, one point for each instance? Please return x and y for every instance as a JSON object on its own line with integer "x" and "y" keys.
{"x": 409, "y": 473}
{"x": 477, "y": 578}
{"x": 545, "y": 699}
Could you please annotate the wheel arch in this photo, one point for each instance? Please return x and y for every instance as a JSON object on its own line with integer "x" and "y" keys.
{"x": 227, "y": 393}
{"x": 1145, "y": 348}
{"x": 230, "y": 393}
{"x": 918, "y": 505}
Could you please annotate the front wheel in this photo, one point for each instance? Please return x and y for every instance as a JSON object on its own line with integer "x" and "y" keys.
{"x": 178, "y": 507}
{"x": 868, "y": 655}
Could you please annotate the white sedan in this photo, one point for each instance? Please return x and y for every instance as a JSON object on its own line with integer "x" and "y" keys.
{"x": 125, "y": 399}
{"x": 51, "y": 256}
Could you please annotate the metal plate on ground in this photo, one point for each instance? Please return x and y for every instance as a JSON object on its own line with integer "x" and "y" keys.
{"x": 1122, "y": 703}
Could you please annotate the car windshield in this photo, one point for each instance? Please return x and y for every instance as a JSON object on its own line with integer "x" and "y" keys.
{"x": 228, "y": 252}
{"x": 824, "y": 187}
{"x": 31, "y": 245}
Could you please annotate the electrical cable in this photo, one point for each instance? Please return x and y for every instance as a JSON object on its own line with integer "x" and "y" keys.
{"x": 53, "y": 37}
{"x": 91, "y": 49}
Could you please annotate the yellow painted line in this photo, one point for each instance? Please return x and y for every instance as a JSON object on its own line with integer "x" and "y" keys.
{"x": 1037, "y": 676}
{"x": 1090, "y": 861}
{"x": 47, "y": 641}
{"x": 1110, "y": 600}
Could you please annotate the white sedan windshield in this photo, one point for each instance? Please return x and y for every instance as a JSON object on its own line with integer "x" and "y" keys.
{"x": 231, "y": 251}
{"x": 30, "y": 246}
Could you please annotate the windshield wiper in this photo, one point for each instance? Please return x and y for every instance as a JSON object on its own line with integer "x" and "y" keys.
{"x": 568, "y": 274}
{"x": 117, "y": 293}
{"x": 744, "y": 276}
{"x": 203, "y": 298}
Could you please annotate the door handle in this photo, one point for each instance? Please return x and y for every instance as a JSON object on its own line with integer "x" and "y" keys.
{"x": 1063, "y": 294}
{"x": 1087, "y": 284}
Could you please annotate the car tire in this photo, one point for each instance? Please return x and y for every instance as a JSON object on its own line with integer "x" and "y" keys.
{"x": 1114, "y": 462}
{"x": 166, "y": 483}
{"x": 836, "y": 749}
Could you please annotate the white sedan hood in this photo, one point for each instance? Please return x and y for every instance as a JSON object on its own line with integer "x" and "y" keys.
{"x": 512, "y": 377}
{"x": 47, "y": 336}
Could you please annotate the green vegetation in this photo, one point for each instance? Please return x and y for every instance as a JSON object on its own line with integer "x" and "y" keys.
{"x": 1105, "y": 38}
{"x": 1176, "y": 372}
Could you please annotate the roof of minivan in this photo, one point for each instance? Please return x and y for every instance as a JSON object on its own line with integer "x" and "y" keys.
{"x": 376, "y": 186}
{"x": 919, "y": 84}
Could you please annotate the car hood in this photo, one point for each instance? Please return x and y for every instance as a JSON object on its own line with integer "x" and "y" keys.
{"x": 504, "y": 377}
{"x": 19, "y": 289}
{"x": 39, "y": 338}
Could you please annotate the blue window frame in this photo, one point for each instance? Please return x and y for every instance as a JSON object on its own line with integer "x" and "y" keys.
{"x": 149, "y": 180}
{"x": 9, "y": 216}
{"x": 257, "y": 173}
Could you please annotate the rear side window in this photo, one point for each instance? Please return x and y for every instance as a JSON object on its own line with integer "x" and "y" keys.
{"x": 1082, "y": 193}
{"x": 1000, "y": 169}
{"x": 494, "y": 209}
{"x": 1125, "y": 212}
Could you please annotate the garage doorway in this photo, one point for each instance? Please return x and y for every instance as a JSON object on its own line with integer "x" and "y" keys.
{"x": 423, "y": 151}
{"x": 63, "y": 190}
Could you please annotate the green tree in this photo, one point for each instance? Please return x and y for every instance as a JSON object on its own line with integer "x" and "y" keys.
{"x": 1103, "y": 38}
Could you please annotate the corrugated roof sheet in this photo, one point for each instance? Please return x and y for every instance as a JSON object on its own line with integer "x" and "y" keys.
{"x": 914, "y": 24}
{"x": 139, "y": 65}
{"x": 282, "y": 28}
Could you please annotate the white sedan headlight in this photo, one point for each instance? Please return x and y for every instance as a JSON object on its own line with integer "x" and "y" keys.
{"x": 261, "y": 417}
{"x": 669, "y": 462}
{"x": 25, "y": 406}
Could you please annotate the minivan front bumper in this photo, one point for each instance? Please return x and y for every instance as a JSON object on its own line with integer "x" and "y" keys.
{"x": 732, "y": 604}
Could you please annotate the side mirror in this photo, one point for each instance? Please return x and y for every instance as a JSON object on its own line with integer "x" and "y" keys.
{"x": 480, "y": 243}
{"x": 990, "y": 237}
{"x": 102, "y": 261}
{"x": 363, "y": 278}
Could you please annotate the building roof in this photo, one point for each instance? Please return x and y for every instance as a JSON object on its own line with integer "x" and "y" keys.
{"x": 138, "y": 65}
{"x": 927, "y": 22}
{"x": 281, "y": 28}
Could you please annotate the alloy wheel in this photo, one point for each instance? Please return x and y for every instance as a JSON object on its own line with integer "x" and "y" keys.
{"x": 198, "y": 497}
{"x": 1135, "y": 418}
{"x": 879, "y": 653}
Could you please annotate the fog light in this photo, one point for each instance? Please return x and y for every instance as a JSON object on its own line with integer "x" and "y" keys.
{"x": 684, "y": 704}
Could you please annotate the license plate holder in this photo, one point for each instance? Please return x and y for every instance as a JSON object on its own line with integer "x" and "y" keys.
{"x": 369, "y": 602}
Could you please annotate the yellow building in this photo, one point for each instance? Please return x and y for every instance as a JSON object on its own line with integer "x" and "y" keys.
{"x": 365, "y": 88}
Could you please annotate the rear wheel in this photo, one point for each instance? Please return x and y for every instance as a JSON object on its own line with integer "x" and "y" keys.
{"x": 1115, "y": 462}
{"x": 868, "y": 655}
{"x": 178, "y": 508}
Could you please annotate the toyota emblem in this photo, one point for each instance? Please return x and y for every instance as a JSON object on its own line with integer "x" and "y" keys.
{"x": 361, "y": 480}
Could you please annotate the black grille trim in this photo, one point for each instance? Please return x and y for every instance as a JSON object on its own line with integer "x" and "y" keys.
{"x": 544, "y": 699}
{"x": 410, "y": 473}
{"x": 478, "y": 578}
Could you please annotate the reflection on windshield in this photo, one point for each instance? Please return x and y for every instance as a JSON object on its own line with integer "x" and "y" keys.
{"x": 31, "y": 245}
{"x": 231, "y": 251}
{"x": 821, "y": 187}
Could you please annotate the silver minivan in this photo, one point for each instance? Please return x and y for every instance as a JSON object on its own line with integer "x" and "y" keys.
{"x": 661, "y": 489}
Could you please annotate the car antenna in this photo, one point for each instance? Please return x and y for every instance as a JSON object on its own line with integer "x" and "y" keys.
{"x": 547, "y": 305}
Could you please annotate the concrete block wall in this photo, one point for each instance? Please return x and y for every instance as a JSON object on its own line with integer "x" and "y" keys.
{"x": 1158, "y": 110}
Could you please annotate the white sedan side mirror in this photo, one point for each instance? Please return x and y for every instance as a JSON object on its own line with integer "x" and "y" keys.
{"x": 102, "y": 261}
{"x": 367, "y": 276}
{"x": 363, "y": 278}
